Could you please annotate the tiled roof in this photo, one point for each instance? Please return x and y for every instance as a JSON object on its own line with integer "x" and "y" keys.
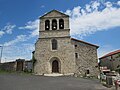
{"x": 111, "y": 53}
{"x": 84, "y": 42}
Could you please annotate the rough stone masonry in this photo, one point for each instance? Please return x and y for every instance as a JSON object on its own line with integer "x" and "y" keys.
{"x": 57, "y": 52}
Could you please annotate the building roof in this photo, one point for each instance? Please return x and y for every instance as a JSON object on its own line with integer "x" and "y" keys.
{"x": 85, "y": 42}
{"x": 20, "y": 60}
{"x": 28, "y": 61}
{"x": 111, "y": 53}
{"x": 54, "y": 11}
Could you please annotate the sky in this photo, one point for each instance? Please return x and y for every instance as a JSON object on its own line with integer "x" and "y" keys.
{"x": 94, "y": 21}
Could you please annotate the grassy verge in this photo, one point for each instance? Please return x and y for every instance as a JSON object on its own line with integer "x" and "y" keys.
{"x": 5, "y": 72}
{"x": 14, "y": 72}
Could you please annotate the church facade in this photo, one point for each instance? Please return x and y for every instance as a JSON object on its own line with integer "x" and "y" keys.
{"x": 57, "y": 52}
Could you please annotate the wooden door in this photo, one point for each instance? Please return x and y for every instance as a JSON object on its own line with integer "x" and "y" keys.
{"x": 20, "y": 66}
{"x": 55, "y": 66}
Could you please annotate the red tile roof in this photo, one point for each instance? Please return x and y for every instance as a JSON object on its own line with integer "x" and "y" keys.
{"x": 84, "y": 42}
{"x": 111, "y": 53}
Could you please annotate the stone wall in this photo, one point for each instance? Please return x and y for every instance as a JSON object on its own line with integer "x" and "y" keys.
{"x": 44, "y": 54}
{"x": 87, "y": 58}
{"x": 106, "y": 62}
{"x": 112, "y": 62}
{"x": 28, "y": 66}
{"x": 13, "y": 66}
{"x": 9, "y": 66}
{"x": 55, "y": 33}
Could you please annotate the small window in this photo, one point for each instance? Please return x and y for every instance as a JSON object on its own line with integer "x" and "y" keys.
{"x": 54, "y": 24}
{"x": 61, "y": 24}
{"x": 54, "y": 44}
{"x": 75, "y": 46}
{"x": 47, "y": 25}
{"x": 76, "y": 55}
{"x": 87, "y": 72}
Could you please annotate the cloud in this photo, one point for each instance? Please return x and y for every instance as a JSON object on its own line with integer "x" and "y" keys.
{"x": 42, "y": 6}
{"x": 19, "y": 38}
{"x": 105, "y": 49}
{"x": 17, "y": 48}
{"x": 95, "y": 5}
{"x": 95, "y": 16}
{"x": 118, "y": 3}
{"x": 88, "y": 20}
{"x": 88, "y": 8}
{"x": 1, "y": 33}
{"x": 108, "y": 4}
{"x": 33, "y": 26}
{"x": 7, "y": 29}
{"x": 23, "y": 51}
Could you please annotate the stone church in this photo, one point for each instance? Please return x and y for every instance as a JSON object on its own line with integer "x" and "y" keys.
{"x": 57, "y": 52}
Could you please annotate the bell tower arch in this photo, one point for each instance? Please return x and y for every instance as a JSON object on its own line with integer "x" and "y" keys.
{"x": 54, "y": 24}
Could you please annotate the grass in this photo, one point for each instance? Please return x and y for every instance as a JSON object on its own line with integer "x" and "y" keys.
{"x": 14, "y": 72}
{"x": 5, "y": 72}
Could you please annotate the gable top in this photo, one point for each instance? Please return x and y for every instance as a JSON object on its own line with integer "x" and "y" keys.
{"x": 54, "y": 13}
{"x": 85, "y": 42}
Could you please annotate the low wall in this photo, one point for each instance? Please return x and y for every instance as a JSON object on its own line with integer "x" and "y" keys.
{"x": 17, "y": 66}
{"x": 8, "y": 66}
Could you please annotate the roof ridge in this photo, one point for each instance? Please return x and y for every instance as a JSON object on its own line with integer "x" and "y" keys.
{"x": 110, "y": 53}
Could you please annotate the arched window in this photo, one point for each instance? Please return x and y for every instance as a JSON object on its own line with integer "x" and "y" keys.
{"x": 47, "y": 25}
{"x": 87, "y": 71}
{"x": 54, "y": 44}
{"x": 54, "y": 24}
{"x": 61, "y": 24}
{"x": 76, "y": 55}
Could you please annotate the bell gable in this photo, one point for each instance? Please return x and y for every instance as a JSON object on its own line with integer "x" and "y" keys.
{"x": 54, "y": 13}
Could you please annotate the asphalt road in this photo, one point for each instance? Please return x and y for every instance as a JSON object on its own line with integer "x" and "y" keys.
{"x": 31, "y": 82}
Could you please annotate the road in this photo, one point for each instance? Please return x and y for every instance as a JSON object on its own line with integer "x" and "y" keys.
{"x": 31, "y": 82}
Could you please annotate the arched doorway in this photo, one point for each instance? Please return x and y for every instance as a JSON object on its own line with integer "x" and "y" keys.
{"x": 55, "y": 66}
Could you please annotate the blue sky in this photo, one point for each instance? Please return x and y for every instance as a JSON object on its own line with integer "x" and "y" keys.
{"x": 94, "y": 21}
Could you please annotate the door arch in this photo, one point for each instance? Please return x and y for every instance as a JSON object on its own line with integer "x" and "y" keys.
{"x": 55, "y": 66}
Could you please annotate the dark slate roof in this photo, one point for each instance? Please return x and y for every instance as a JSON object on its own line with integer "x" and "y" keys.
{"x": 85, "y": 42}
{"x": 110, "y": 54}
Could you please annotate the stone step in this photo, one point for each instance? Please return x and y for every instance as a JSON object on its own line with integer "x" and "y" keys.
{"x": 53, "y": 74}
